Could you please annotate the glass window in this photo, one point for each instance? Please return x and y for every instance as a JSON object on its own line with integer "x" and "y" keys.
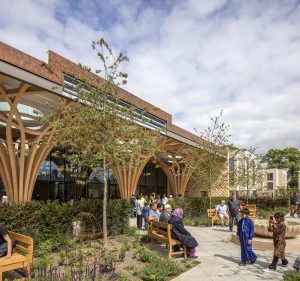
{"x": 151, "y": 176}
{"x": 162, "y": 180}
{"x": 270, "y": 186}
{"x": 231, "y": 164}
{"x": 270, "y": 176}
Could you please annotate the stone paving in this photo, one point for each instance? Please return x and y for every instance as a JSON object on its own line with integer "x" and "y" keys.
{"x": 219, "y": 259}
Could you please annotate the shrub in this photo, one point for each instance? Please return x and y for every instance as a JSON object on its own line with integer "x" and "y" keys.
{"x": 196, "y": 221}
{"x": 294, "y": 276}
{"x": 159, "y": 269}
{"x": 265, "y": 214}
{"x": 50, "y": 220}
{"x": 43, "y": 256}
{"x": 197, "y": 207}
{"x": 123, "y": 277}
{"x": 122, "y": 254}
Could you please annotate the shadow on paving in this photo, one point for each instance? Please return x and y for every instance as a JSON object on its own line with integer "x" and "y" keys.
{"x": 222, "y": 230}
{"x": 258, "y": 270}
{"x": 234, "y": 260}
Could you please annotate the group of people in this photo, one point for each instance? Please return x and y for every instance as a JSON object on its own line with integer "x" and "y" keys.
{"x": 229, "y": 212}
{"x": 245, "y": 233}
{"x": 236, "y": 210}
{"x": 158, "y": 209}
{"x": 147, "y": 200}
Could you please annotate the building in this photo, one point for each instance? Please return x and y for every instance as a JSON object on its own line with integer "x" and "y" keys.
{"x": 274, "y": 183}
{"x": 27, "y": 165}
{"x": 245, "y": 171}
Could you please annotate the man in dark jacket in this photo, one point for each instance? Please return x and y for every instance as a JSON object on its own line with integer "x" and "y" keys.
{"x": 180, "y": 233}
{"x": 5, "y": 243}
{"x": 234, "y": 206}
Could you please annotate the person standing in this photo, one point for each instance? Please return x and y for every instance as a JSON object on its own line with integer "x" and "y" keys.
{"x": 146, "y": 211}
{"x": 222, "y": 212}
{"x": 245, "y": 233}
{"x": 152, "y": 198}
{"x": 4, "y": 198}
{"x": 133, "y": 205}
{"x": 234, "y": 206}
{"x": 164, "y": 199}
{"x": 294, "y": 204}
{"x": 139, "y": 214}
{"x": 278, "y": 227}
{"x": 142, "y": 199}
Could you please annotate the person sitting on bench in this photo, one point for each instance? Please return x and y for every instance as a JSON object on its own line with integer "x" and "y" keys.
{"x": 180, "y": 233}
{"x": 6, "y": 243}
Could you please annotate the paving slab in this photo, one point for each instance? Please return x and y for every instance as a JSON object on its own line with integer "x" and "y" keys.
{"x": 219, "y": 259}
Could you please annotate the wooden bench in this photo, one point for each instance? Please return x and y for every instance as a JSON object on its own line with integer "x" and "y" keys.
{"x": 20, "y": 259}
{"x": 252, "y": 210}
{"x": 211, "y": 213}
{"x": 161, "y": 231}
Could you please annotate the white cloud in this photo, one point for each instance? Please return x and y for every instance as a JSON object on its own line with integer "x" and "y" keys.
{"x": 191, "y": 59}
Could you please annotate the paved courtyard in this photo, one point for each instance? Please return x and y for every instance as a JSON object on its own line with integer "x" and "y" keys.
{"x": 219, "y": 259}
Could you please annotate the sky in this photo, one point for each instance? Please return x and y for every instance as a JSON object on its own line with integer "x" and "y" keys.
{"x": 189, "y": 58}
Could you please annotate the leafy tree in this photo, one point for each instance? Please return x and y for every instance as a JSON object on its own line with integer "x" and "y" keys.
{"x": 98, "y": 129}
{"x": 286, "y": 158}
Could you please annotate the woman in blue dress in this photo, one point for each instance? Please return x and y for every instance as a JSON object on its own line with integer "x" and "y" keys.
{"x": 245, "y": 233}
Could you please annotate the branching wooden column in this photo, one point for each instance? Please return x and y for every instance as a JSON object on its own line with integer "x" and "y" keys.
{"x": 177, "y": 173}
{"x": 22, "y": 150}
{"x": 128, "y": 176}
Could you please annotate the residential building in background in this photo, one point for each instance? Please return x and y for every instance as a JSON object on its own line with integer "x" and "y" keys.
{"x": 275, "y": 182}
{"x": 244, "y": 169}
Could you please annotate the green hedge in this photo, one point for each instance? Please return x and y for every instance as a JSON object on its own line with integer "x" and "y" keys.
{"x": 51, "y": 220}
{"x": 197, "y": 206}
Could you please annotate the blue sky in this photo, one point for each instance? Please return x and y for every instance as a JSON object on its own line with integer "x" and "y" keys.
{"x": 190, "y": 58}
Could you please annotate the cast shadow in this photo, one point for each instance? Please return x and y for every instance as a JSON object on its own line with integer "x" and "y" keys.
{"x": 222, "y": 230}
{"x": 258, "y": 262}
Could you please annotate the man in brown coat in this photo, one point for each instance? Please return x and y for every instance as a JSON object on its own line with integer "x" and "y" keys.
{"x": 278, "y": 227}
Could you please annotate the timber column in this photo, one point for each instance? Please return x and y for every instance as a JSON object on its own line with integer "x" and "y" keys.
{"x": 128, "y": 175}
{"x": 22, "y": 149}
{"x": 177, "y": 173}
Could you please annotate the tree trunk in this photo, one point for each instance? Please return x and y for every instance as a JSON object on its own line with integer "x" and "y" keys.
{"x": 248, "y": 180}
{"x": 209, "y": 186}
{"x": 105, "y": 205}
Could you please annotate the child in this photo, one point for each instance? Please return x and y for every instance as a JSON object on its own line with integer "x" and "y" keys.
{"x": 245, "y": 233}
{"x": 278, "y": 228}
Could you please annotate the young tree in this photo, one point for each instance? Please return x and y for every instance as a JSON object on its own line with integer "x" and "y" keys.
{"x": 98, "y": 129}
{"x": 247, "y": 171}
{"x": 210, "y": 157}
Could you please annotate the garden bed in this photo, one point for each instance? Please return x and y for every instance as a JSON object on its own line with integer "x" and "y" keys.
{"x": 125, "y": 258}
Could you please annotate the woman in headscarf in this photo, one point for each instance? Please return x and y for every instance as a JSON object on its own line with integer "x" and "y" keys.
{"x": 180, "y": 233}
